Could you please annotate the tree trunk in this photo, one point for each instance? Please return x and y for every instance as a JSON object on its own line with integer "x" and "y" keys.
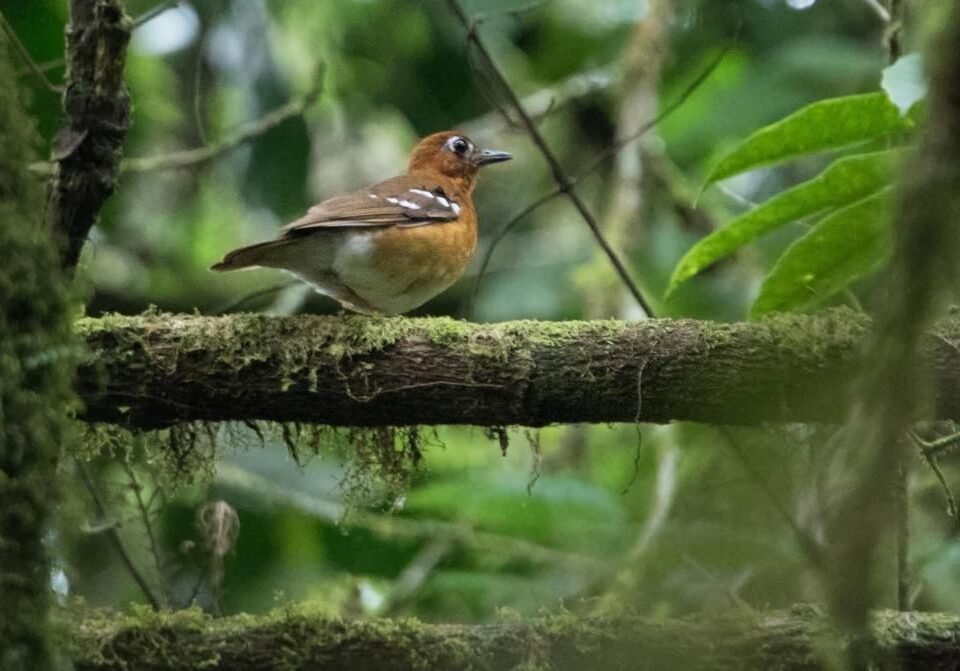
{"x": 294, "y": 638}
{"x": 87, "y": 149}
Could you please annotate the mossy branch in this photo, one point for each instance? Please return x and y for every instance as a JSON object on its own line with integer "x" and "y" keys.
{"x": 157, "y": 369}
{"x": 297, "y": 638}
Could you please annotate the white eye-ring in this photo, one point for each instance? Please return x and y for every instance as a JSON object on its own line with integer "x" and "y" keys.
{"x": 460, "y": 146}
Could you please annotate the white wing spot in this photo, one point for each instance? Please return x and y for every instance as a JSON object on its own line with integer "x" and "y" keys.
{"x": 409, "y": 205}
{"x": 443, "y": 201}
{"x": 358, "y": 245}
{"x": 456, "y": 208}
{"x": 373, "y": 195}
{"x": 421, "y": 192}
{"x": 393, "y": 200}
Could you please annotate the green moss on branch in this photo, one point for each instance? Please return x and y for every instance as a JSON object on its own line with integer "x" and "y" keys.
{"x": 157, "y": 369}
{"x": 305, "y": 638}
{"x": 379, "y": 461}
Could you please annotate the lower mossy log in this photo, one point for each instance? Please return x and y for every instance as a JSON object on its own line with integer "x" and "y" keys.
{"x": 296, "y": 638}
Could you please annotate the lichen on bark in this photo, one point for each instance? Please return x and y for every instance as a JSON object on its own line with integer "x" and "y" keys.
{"x": 35, "y": 375}
{"x": 87, "y": 149}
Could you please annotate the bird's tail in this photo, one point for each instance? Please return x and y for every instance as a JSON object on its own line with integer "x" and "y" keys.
{"x": 248, "y": 257}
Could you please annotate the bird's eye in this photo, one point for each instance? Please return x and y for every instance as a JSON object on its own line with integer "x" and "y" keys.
{"x": 459, "y": 146}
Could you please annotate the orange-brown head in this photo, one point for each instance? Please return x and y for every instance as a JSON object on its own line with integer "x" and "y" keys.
{"x": 453, "y": 155}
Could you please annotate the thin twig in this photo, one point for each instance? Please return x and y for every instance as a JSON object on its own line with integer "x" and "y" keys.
{"x": 197, "y": 98}
{"x": 728, "y": 591}
{"x": 154, "y": 12}
{"x": 894, "y": 32}
{"x": 952, "y": 510}
{"x": 24, "y": 53}
{"x": 144, "y": 508}
{"x": 536, "y": 454}
{"x": 499, "y": 236}
{"x": 664, "y": 492}
{"x": 138, "y": 21}
{"x": 242, "y": 135}
{"x": 488, "y": 88}
{"x": 332, "y": 512}
{"x": 934, "y": 448}
{"x": 930, "y": 455}
{"x": 44, "y": 67}
{"x": 811, "y": 549}
{"x": 592, "y": 167}
{"x": 415, "y": 574}
{"x": 115, "y": 539}
{"x": 234, "y": 304}
{"x": 903, "y": 536}
{"x": 895, "y": 49}
{"x": 618, "y": 145}
{"x": 198, "y": 155}
{"x": 878, "y": 9}
{"x": 195, "y": 591}
{"x": 564, "y": 182}
{"x": 514, "y": 12}
{"x": 539, "y": 105}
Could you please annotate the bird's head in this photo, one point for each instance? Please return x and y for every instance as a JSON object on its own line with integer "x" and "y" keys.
{"x": 453, "y": 155}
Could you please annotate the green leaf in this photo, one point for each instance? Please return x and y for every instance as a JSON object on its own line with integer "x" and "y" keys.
{"x": 903, "y": 82}
{"x": 847, "y": 244}
{"x": 824, "y": 125}
{"x": 845, "y": 181}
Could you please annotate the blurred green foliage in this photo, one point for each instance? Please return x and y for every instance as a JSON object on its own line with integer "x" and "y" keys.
{"x": 686, "y": 510}
{"x": 851, "y": 196}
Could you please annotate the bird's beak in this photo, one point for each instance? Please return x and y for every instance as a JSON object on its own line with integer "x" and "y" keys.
{"x": 488, "y": 156}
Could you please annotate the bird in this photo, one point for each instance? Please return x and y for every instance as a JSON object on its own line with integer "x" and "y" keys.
{"x": 391, "y": 247}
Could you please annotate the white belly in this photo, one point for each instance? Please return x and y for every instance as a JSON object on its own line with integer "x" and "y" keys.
{"x": 354, "y": 266}
{"x": 334, "y": 261}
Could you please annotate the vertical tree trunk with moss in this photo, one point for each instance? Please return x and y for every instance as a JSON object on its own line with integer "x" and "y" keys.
{"x": 34, "y": 386}
{"x": 97, "y": 106}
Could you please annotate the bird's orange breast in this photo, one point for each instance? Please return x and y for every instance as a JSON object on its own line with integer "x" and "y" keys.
{"x": 395, "y": 269}
{"x": 418, "y": 257}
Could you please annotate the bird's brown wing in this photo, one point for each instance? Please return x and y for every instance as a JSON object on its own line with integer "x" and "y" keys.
{"x": 400, "y": 201}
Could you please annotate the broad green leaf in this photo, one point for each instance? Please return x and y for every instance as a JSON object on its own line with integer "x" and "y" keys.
{"x": 844, "y": 246}
{"x": 828, "y": 124}
{"x": 904, "y": 83}
{"x": 845, "y": 181}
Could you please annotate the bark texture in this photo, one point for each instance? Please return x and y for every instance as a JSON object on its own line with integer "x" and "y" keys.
{"x": 157, "y": 369}
{"x": 297, "y": 639}
{"x": 97, "y": 108}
